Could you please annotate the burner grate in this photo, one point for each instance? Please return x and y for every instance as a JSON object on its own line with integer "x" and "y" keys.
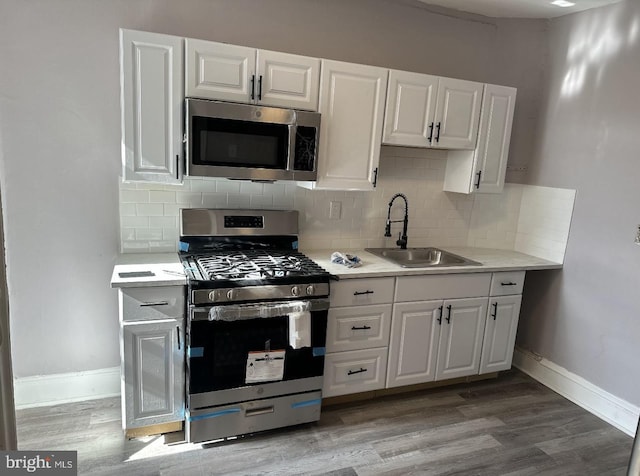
{"x": 256, "y": 264}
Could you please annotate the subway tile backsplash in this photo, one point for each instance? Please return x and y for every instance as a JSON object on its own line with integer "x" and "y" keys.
{"x": 149, "y": 212}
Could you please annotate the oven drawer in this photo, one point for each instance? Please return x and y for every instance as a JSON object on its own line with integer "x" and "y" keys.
{"x": 354, "y": 371}
{"x": 358, "y": 327}
{"x": 508, "y": 282}
{"x": 249, "y": 417}
{"x": 155, "y": 302}
{"x": 362, "y": 292}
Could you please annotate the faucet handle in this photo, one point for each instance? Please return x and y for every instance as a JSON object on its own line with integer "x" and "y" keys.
{"x": 402, "y": 241}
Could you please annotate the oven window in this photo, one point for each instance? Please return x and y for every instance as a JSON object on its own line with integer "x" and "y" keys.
{"x": 232, "y": 143}
{"x": 223, "y": 348}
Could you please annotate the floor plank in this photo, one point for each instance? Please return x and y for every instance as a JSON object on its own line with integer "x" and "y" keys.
{"x": 511, "y": 425}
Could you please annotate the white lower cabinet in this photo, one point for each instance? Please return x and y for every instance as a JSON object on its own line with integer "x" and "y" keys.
{"x": 415, "y": 331}
{"x": 436, "y": 327}
{"x": 152, "y": 353}
{"x": 358, "y": 335}
{"x": 502, "y": 321}
{"x": 153, "y": 372}
{"x": 355, "y": 371}
{"x": 435, "y": 340}
{"x": 461, "y": 338}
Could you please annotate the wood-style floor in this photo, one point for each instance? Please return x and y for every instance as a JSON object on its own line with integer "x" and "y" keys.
{"x": 508, "y": 426}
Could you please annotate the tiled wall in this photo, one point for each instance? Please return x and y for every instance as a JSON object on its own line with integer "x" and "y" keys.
{"x": 544, "y": 221}
{"x": 149, "y": 212}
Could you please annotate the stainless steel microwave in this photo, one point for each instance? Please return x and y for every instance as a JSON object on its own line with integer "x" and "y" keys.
{"x": 243, "y": 141}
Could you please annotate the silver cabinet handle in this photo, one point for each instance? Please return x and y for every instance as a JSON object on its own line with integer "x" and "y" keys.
{"x": 259, "y": 411}
{"x": 156, "y": 303}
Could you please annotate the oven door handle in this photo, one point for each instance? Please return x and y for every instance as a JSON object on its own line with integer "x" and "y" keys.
{"x": 240, "y": 312}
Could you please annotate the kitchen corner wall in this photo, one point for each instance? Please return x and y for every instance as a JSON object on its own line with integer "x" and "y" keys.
{"x": 533, "y": 220}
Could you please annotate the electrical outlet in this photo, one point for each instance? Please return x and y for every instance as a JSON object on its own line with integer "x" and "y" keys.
{"x": 637, "y": 240}
{"x": 335, "y": 210}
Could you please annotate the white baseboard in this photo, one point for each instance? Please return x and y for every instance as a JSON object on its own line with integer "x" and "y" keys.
{"x": 615, "y": 411}
{"x": 54, "y": 389}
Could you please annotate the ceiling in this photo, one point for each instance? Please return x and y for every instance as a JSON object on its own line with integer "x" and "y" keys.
{"x": 518, "y": 8}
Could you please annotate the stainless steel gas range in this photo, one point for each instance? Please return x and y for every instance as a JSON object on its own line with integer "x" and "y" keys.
{"x": 256, "y": 328}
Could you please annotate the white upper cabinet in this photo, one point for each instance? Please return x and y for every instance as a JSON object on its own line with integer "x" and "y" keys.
{"x": 483, "y": 170}
{"x": 219, "y": 71}
{"x": 247, "y": 75}
{"x": 411, "y": 104}
{"x": 457, "y": 114}
{"x": 152, "y": 95}
{"x": 428, "y": 111}
{"x": 352, "y": 107}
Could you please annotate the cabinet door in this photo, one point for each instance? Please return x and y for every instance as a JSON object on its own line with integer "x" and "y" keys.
{"x": 358, "y": 327}
{"x": 220, "y": 71}
{"x": 354, "y": 371}
{"x": 285, "y": 80}
{"x": 151, "y": 106}
{"x": 457, "y": 114}
{"x": 494, "y": 137}
{"x": 153, "y": 368}
{"x": 352, "y": 107}
{"x": 500, "y": 333}
{"x": 415, "y": 329}
{"x": 411, "y": 102}
{"x": 483, "y": 170}
{"x": 461, "y": 337}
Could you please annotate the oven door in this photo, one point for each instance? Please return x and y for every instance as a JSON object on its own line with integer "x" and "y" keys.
{"x": 225, "y": 341}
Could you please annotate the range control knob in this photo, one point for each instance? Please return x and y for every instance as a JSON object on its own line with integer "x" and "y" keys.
{"x": 310, "y": 290}
{"x": 212, "y": 296}
{"x": 231, "y": 294}
{"x": 295, "y": 291}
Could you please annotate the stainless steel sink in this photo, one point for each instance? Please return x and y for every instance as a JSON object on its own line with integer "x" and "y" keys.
{"x": 421, "y": 257}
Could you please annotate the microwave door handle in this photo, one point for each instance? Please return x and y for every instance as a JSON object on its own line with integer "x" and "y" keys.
{"x": 293, "y": 130}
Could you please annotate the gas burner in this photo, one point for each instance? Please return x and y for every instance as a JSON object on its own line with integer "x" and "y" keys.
{"x": 254, "y": 264}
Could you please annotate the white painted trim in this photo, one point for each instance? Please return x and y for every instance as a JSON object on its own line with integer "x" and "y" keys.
{"x": 54, "y": 389}
{"x": 615, "y": 411}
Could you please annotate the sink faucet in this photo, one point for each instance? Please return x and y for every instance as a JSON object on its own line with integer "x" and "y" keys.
{"x": 402, "y": 238}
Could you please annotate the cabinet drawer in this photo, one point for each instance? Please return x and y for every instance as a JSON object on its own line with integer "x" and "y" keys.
{"x": 362, "y": 292}
{"x": 354, "y": 371}
{"x": 359, "y": 327}
{"x": 157, "y": 302}
{"x": 509, "y": 282}
{"x": 444, "y": 286}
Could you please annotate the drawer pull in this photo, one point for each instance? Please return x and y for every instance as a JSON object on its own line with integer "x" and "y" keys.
{"x": 362, "y": 328}
{"x": 259, "y": 411}
{"x": 156, "y": 303}
{"x": 495, "y": 310}
{"x": 353, "y": 372}
{"x": 360, "y": 293}
{"x": 510, "y": 283}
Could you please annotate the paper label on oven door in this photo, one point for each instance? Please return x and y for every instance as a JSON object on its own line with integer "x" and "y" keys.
{"x": 265, "y": 366}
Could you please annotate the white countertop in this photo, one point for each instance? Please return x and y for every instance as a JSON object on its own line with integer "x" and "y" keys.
{"x": 166, "y": 270}
{"x": 373, "y": 266}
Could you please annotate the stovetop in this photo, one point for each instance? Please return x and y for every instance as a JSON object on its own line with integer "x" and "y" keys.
{"x": 251, "y": 267}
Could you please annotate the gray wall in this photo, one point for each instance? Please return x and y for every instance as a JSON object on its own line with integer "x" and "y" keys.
{"x": 586, "y": 318}
{"x": 60, "y": 129}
